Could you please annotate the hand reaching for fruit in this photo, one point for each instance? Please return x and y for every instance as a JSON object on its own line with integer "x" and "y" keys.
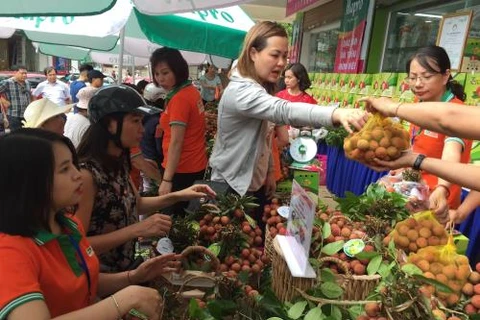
{"x": 439, "y": 205}
{"x": 154, "y": 226}
{"x": 406, "y": 160}
{"x": 196, "y": 191}
{"x": 350, "y": 117}
{"x": 385, "y": 106}
{"x": 155, "y": 267}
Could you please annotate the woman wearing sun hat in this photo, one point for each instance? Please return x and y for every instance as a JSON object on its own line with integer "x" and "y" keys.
{"x": 78, "y": 123}
{"x": 45, "y": 114}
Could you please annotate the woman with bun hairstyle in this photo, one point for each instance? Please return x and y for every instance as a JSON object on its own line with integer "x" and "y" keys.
{"x": 48, "y": 269}
{"x": 110, "y": 205}
{"x": 430, "y": 79}
{"x": 242, "y": 152}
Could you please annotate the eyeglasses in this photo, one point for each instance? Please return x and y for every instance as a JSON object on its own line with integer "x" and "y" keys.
{"x": 422, "y": 79}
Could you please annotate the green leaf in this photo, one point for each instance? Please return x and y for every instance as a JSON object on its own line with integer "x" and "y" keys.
{"x": 384, "y": 270}
{"x": 335, "y": 313}
{"x": 373, "y": 265}
{"x": 215, "y": 248}
{"x": 315, "y": 314}
{"x": 138, "y": 314}
{"x": 274, "y": 318}
{"x": 333, "y": 247}
{"x": 243, "y": 276}
{"x": 331, "y": 290}
{"x": 195, "y": 225}
{"x": 221, "y": 308}
{"x": 411, "y": 269}
{"x": 366, "y": 255}
{"x": 326, "y": 230}
{"x": 251, "y": 205}
{"x": 438, "y": 285}
{"x": 250, "y": 220}
{"x": 297, "y": 309}
{"x": 327, "y": 275}
{"x": 356, "y": 311}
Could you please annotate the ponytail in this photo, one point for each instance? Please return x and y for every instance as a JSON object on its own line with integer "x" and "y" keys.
{"x": 456, "y": 88}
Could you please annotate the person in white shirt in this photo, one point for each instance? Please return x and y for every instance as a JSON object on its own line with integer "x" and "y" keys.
{"x": 78, "y": 123}
{"x": 52, "y": 89}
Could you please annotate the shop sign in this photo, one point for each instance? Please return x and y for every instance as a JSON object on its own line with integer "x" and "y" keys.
{"x": 297, "y": 5}
{"x": 350, "y": 40}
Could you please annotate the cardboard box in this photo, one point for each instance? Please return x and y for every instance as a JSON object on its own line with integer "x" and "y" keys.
{"x": 307, "y": 179}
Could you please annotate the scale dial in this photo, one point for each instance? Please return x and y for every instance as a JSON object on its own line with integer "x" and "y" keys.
{"x": 303, "y": 149}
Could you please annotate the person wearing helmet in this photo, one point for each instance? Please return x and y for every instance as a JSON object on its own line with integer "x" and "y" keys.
{"x": 110, "y": 205}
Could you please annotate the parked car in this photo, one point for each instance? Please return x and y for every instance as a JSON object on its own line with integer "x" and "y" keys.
{"x": 34, "y": 78}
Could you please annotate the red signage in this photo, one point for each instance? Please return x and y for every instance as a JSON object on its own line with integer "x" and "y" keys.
{"x": 347, "y": 59}
{"x": 297, "y": 5}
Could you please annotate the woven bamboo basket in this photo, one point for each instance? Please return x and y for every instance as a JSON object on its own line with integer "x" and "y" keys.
{"x": 354, "y": 287}
{"x": 268, "y": 246}
{"x": 284, "y": 285}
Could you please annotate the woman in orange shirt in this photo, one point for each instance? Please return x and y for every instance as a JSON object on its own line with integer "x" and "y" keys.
{"x": 430, "y": 79}
{"x": 182, "y": 124}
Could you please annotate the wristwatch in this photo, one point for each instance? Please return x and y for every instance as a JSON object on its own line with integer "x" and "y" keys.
{"x": 418, "y": 161}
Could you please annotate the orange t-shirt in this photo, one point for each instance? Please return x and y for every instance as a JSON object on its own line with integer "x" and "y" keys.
{"x": 431, "y": 144}
{"x": 47, "y": 267}
{"x": 186, "y": 109}
{"x": 276, "y": 159}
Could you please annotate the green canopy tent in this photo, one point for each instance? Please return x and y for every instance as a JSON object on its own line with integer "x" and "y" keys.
{"x": 22, "y": 8}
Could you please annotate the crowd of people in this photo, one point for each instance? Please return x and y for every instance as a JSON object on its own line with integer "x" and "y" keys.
{"x": 71, "y": 210}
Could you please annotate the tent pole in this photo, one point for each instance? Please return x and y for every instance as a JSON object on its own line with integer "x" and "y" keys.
{"x": 120, "y": 56}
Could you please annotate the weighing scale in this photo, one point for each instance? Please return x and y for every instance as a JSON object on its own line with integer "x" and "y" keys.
{"x": 303, "y": 150}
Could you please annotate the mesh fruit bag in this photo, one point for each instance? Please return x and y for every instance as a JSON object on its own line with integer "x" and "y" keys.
{"x": 419, "y": 231}
{"x": 380, "y": 138}
{"x": 445, "y": 265}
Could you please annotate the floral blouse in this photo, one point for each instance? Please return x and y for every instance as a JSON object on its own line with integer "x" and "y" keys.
{"x": 114, "y": 208}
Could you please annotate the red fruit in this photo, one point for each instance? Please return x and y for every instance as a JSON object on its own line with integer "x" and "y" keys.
{"x": 258, "y": 231}
{"x": 476, "y": 301}
{"x": 470, "y": 309}
{"x": 225, "y": 220}
{"x": 372, "y": 309}
{"x": 202, "y": 222}
{"x": 256, "y": 268}
{"x": 248, "y": 288}
{"x": 210, "y": 230}
{"x": 282, "y": 231}
{"x": 253, "y": 293}
{"x": 229, "y": 260}
{"x": 238, "y": 213}
{"x": 246, "y": 229}
{"x": 208, "y": 217}
{"x": 258, "y": 240}
{"x": 245, "y": 253}
{"x": 271, "y": 221}
{"x": 246, "y": 268}
{"x": 236, "y": 267}
{"x": 477, "y": 267}
{"x": 266, "y": 209}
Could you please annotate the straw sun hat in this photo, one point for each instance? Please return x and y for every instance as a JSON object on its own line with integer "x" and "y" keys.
{"x": 40, "y": 111}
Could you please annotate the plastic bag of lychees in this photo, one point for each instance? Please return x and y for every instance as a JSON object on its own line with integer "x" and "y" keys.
{"x": 419, "y": 231}
{"x": 381, "y": 138}
{"x": 444, "y": 264}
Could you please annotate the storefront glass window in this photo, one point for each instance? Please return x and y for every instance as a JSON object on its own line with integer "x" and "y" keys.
{"x": 322, "y": 50}
{"x": 413, "y": 28}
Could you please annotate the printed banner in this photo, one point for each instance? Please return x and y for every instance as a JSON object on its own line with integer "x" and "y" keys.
{"x": 350, "y": 40}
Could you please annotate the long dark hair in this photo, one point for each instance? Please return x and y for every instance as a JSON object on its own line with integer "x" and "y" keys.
{"x": 433, "y": 58}
{"x": 27, "y": 165}
{"x": 175, "y": 61}
{"x": 94, "y": 145}
{"x": 301, "y": 74}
